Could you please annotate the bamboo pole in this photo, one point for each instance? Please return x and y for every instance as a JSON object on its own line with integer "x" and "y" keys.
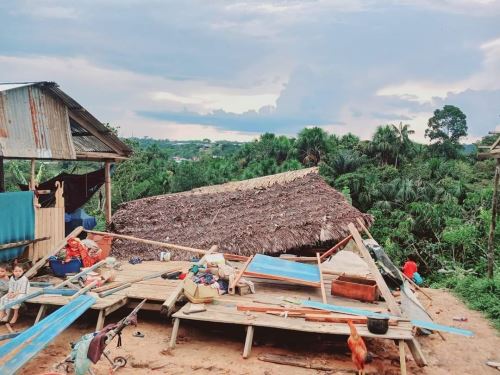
{"x": 149, "y": 242}
{"x": 491, "y": 236}
{"x": 32, "y": 174}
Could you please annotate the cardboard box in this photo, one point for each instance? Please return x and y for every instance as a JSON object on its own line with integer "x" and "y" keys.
{"x": 199, "y": 292}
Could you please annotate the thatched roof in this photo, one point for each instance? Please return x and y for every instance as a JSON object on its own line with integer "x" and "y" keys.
{"x": 269, "y": 214}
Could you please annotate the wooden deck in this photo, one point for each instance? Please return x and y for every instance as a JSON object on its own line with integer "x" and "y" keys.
{"x": 156, "y": 290}
{"x": 224, "y": 310}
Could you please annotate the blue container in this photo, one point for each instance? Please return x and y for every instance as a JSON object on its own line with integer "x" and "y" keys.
{"x": 61, "y": 269}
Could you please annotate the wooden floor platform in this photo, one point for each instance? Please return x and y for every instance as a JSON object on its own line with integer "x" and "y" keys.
{"x": 156, "y": 290}
{"x": 224, "y": 310}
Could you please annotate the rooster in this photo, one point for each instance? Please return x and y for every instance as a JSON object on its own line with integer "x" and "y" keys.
{"x": 360, "y": 355}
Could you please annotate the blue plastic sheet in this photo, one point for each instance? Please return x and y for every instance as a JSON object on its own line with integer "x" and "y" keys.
{"x": 17, "y": 221}
{"x": 263, "y": 264}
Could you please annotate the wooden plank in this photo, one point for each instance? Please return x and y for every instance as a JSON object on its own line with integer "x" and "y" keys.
{"x": 33, "y": 270}
{"x": 268, "y": 308}
{"x": 281, "y": 278}
{"x": 222, "y": 314}
{"x": 360, "y": 222}
{"x": 416, "y": 352}
{"x": 234, "y": 282}
{"x": 322, "y": 282}
{"x": 100, "y": 321}
{"x": 384, "y": 289}
{"x": 41, "y": 313}
{"x": 337, "y": 247}
{"x": 248, "y": 342}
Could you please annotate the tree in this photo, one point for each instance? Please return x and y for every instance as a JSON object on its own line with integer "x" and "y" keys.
{"x": 385, "y": 144}
{"x": 445, "y": 129}
{"x": 405, "y": 144}
{"x": 311, "y": 145}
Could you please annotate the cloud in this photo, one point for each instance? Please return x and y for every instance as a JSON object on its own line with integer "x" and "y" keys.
{"x": 192, "y": 68}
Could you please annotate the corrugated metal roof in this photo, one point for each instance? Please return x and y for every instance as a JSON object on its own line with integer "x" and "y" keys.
{"x": 41, "y": 125}
{"x": 34, "y": 125}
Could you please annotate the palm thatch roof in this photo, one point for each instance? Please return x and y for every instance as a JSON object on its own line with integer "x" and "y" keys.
{"x": 271, "y": 214}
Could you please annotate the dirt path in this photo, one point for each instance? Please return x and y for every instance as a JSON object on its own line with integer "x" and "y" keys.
{"x": 217, "y": 349}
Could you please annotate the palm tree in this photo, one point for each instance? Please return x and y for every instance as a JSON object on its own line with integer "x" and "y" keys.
{"x": 385, "y": 143}
{"x": 311, "y": 145}
{"x": 402, "y": 135}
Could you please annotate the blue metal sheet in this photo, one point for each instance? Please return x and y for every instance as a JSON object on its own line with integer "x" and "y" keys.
{"x": 286, "y": 269}
{"x": 30, "y": 342}
{"x": 361, "y": 312}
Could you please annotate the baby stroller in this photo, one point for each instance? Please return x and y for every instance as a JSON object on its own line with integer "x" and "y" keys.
{"x": 91, "y": 346}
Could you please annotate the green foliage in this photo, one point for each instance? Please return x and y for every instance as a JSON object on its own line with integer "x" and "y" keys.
{"x": 480, "y": 293}
{"x": 445, "y": 129}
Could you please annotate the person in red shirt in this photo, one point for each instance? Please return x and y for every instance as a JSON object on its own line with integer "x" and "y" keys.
{"x": 410, "y": 269}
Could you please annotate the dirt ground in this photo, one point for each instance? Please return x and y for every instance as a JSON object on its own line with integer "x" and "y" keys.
{"x": 216, "y": 349}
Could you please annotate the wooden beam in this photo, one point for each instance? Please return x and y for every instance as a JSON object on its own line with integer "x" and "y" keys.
{"x": 384, "y": 289}
{"x": 149, "y": 242}
{"x": 234, "y": 282}
{"x": 360, "y": 222}
{"x": 22, "y": 243}
{"x": 32, "y": 175}
{"x": 2, "y": 175}
{"x": 323, "y": 293}
{"x": 491, "y": 235}
{"x": 107, "y": 188}
{"x": 33, "y": 270}
{"x": 99, "y": 156}
{"x": 337, "y": 247}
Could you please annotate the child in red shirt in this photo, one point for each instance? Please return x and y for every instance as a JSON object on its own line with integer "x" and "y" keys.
{"x": 410, "y": 269}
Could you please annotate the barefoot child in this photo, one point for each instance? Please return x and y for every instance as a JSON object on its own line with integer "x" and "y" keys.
{"x": 18, "y": 288}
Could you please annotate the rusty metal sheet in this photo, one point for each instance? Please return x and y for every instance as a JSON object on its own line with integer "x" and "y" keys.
{"x": 34, "y": 124}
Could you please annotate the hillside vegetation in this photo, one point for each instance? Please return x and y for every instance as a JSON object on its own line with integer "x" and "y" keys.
{"x": 431, "y": 201}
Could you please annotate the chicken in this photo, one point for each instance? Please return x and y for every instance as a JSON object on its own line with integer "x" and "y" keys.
{"x": 360, "y": 355}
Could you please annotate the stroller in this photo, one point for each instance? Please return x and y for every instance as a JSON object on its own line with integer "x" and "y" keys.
{"x": 70, "y": 365}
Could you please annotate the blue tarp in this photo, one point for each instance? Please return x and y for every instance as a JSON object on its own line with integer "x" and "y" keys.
{"x": 79, "y": 218}
{"x": 272, "y": 266}
{"x": 17, "y": 221}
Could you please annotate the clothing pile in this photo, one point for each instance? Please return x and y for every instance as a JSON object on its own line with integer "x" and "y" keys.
{"x": 204, "y": 276}
{"x": 87, "y": 251}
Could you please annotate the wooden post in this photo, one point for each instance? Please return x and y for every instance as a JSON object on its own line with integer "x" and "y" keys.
{"x": 175, "y": 331}
{"x": 248, "y": 342}
{"x": 402, "y": 357}
{"x": 491, "y": 237}
{"x": 322, "y": 282}
{"x": 107, "y": 187}
{"x": 32, "y": 175}
{"x": 2, "y": 176}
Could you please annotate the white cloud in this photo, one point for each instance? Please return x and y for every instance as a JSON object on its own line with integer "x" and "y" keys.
{"x": 114, "y": 95}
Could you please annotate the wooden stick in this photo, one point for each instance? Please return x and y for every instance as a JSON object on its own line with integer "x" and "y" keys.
{"x": 136, "y": 280}
{"x": 267, "y": 309}
{"x": 360, "y": 222}
{"x": 33, "y": 270}
{"x": 323, "y": 293}
{"x": 84, "y": 272}
{"x": 416, "y": 286}
{"x": 384, "y": 289}
{"x": 84, "y": 290}
{"x": 337, "y": 247}
{"x": 22, "y": 243}
{"x": 232, "y": 285}
{"x": 149, "y": 242}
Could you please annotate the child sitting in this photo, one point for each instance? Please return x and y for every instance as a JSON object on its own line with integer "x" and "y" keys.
{"x": 4, "y": 280}
{"x": 18, "y": 288}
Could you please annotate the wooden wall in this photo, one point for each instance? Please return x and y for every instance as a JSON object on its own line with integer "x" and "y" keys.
{"x": 49, "y": 222}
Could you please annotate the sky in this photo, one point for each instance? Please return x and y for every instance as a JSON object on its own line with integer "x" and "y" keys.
{"x": 193, "y": 69}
